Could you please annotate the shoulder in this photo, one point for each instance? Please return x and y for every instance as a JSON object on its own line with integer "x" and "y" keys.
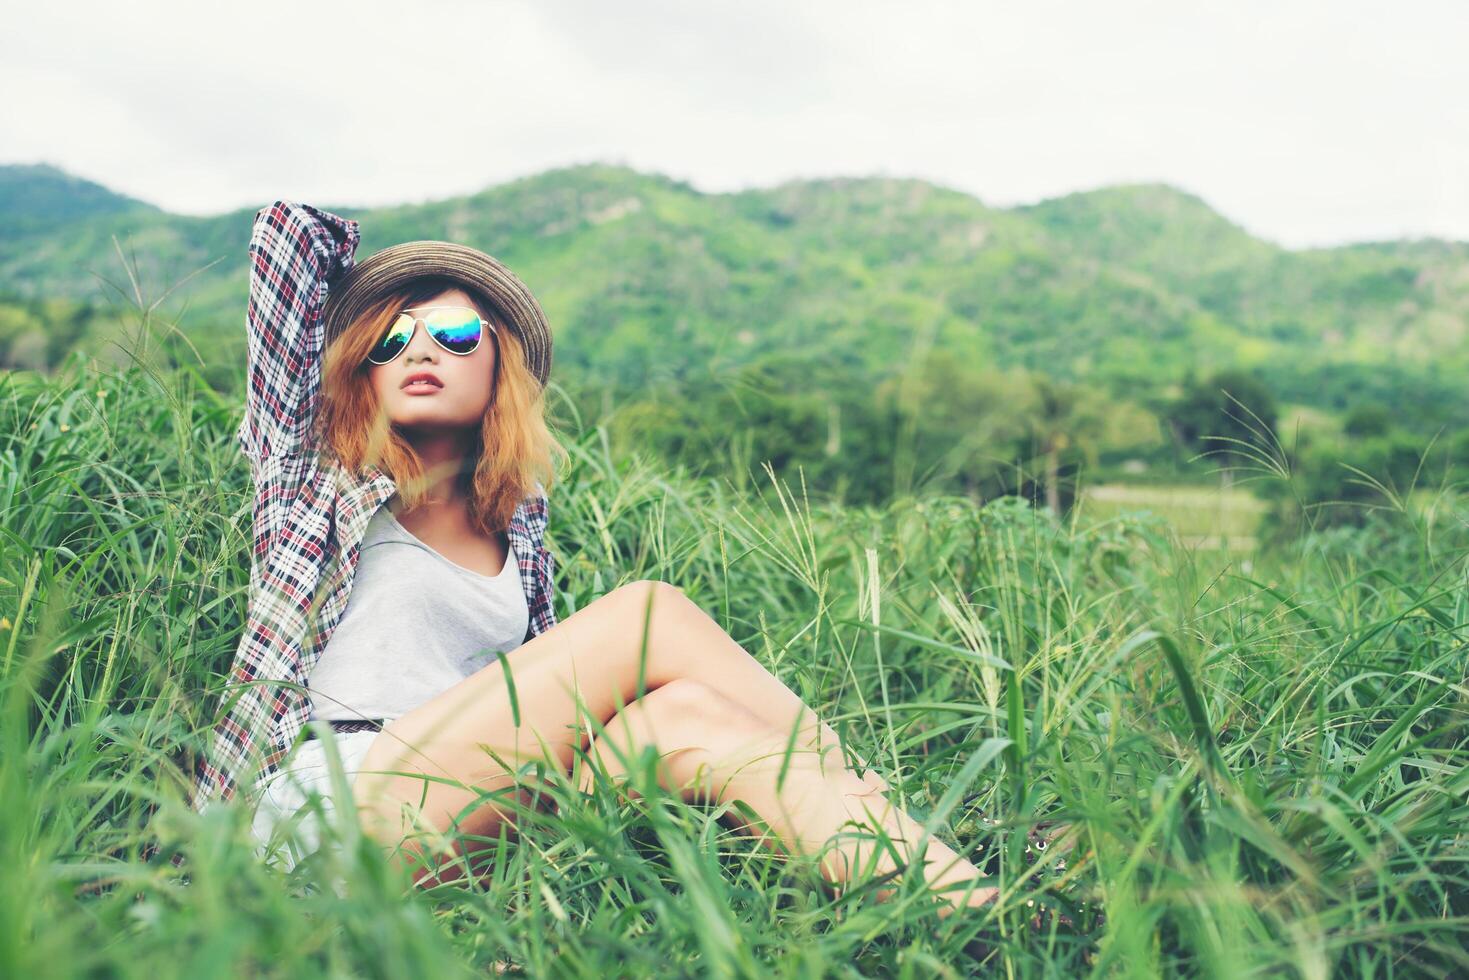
{"x": 532, "y": 514}
{"x": 538, "y": 506}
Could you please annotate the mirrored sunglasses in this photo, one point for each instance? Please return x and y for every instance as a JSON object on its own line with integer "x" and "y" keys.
{"x": 457, "y": 329}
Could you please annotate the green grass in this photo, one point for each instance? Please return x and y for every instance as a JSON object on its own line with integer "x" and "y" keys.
{"x": 1265, "y": 772}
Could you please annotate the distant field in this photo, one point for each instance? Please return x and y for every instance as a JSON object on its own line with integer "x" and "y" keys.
{"x": 1205, "y": 517}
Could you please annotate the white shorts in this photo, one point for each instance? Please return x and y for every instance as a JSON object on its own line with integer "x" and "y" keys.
{"x": 287, "y": 790}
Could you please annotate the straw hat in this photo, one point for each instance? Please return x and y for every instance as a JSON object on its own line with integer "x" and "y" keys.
{"x": 394, "y": 267}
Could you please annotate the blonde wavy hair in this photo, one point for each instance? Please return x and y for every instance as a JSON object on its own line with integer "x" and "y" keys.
{"x": 515, "y": 448}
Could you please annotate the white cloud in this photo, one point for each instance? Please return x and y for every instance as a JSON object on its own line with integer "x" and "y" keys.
{"x": 1308, "y": 123}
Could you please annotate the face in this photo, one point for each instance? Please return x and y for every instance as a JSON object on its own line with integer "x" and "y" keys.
{"x": 426, "y": 388}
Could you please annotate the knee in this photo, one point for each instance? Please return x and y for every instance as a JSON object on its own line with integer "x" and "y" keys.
{"x": 685, "y": 713}
{"x": 650, "y": 591}
{"x": 652, "y": 601}
{"x": 692, "y": 705}
{"x": 658, "y": 616}
{"x": 683, "y": 721}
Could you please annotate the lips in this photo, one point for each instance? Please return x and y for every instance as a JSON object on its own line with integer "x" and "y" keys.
{"x": 422, "y": 383}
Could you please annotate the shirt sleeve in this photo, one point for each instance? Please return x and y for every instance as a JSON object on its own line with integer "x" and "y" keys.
{"x": 296, "y": 251}
{"x": 543, "y": 607}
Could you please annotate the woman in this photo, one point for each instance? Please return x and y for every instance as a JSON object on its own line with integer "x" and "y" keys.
{"x": 395, "y": 428}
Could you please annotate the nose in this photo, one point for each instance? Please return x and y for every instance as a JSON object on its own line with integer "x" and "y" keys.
{"x": 421, "y": 347}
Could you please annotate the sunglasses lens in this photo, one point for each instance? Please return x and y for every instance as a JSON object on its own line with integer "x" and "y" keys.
{"x": 457, "y": 329}
{"x": 393, "y": 341}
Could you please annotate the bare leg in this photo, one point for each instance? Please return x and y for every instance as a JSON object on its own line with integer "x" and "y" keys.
{"x": 714, "y": 750}
{"x": 684, "y": 641}
{"x": 587, "y": 667}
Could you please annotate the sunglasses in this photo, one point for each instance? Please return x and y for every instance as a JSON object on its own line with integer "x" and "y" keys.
{"x": 457, "y": 329}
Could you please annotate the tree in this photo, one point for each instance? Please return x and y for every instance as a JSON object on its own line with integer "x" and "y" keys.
{"x": 1231, "y": 416}
{"x": 1368, "y": 421}
{"x": 1065, "y": 416}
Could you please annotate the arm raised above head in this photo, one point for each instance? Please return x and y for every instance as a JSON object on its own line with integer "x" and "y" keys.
{"x": 296, "y": 251}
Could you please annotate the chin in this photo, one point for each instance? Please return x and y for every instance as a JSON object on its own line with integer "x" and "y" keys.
{"x": 426, "y": 418}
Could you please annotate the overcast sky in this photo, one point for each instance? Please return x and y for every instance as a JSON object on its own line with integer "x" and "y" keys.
{"x": 1307, "y": 122}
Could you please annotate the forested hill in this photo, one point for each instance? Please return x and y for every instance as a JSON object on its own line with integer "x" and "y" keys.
{"x": 643, "y": 276}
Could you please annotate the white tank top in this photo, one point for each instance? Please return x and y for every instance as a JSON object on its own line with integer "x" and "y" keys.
{"x": 415, "y": 625}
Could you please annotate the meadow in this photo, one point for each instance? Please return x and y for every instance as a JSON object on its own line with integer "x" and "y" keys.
{"x": 1258, "y": 761}
{"x": 1207, "y": 517}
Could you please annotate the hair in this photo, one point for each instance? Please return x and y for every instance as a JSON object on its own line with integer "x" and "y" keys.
{"x": 514, "y": 448}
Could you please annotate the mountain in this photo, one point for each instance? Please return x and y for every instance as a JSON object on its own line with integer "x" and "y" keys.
{"x": 647, "y": 278}
{"x": 38, "y": 197}
{"x": 1170, "y": 234}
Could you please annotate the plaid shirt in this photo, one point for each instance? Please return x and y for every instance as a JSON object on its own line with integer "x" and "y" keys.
{"x": 310, "y": 514}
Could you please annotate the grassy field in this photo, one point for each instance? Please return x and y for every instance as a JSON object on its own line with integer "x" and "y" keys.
{"x": 1263, "y": 772}
{"x": 1226, "y": 518}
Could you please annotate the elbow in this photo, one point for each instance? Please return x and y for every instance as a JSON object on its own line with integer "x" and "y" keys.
{"x": 280, "y": 204}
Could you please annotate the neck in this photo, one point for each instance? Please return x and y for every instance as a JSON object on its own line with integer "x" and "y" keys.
{"x": 442, "y": 453}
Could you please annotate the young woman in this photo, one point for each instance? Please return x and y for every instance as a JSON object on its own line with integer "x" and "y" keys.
{"x": 395, "y": 428}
